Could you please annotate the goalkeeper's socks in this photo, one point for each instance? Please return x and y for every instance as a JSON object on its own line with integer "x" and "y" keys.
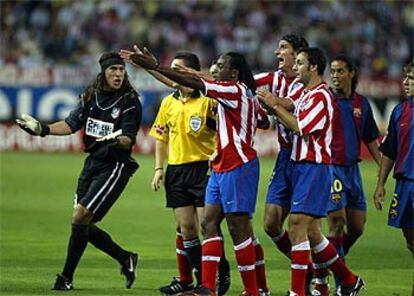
{"x": 193, "y": 249}
{"x": 103, "y": 241}
{"x": 77, "y": 244}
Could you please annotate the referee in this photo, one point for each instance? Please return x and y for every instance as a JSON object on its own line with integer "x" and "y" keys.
{"x": 109, "y": 112}
{"x": 186, "y": 124}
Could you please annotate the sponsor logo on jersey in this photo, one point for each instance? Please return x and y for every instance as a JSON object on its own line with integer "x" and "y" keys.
{"x": 195, "y": 123}
{"x": 115, "y": 112}
{"x": 97, "y": 128}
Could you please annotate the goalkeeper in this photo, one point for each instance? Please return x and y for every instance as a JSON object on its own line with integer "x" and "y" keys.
{"x": 109, "y": 111}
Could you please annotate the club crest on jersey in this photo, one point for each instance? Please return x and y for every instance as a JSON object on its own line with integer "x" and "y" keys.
{"x": 115, "y": 112}
{"x": 195, "y": 123}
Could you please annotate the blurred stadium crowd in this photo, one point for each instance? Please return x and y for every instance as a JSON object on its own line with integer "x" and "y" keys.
{"x": 35, "y": 33}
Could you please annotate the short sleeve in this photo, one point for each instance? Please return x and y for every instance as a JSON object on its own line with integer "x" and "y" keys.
{"x": 77, "y": 117}
{"x": 227, "y": 93}
{"x": 131, "y": 117}
{"x": 389, "y": 144}
{"x": 159, "y": 129}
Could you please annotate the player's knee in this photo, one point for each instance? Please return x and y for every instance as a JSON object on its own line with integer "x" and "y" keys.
{"x": 81, "y": 215}
{"x": 272, "y": 227}
{"x": 188, "y": 229}
{"x": 337, "y": 225}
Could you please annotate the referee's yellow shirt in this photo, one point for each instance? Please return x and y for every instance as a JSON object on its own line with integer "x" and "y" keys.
{"x": 188, "y": 128}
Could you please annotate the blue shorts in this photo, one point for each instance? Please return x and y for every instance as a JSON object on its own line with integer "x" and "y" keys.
{"x": 347, "y": 189}
{"x": 236, "y": 190}
{"x": 311, "y": 188}
{"x": 279, "y": 190}
{"x": 402, "y": 205}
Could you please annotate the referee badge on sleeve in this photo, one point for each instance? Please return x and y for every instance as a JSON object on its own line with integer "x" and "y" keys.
{"x": 195, "y": 123}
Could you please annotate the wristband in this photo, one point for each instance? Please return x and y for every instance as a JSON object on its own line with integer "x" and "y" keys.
{"x": 157, "y": 169}
{"x": 45, "y": 130}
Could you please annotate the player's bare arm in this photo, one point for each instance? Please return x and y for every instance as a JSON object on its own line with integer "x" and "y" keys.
{"x": 385, "y": 168}
{"x": 374, "y": 151}
{"x": 146, "y": 60}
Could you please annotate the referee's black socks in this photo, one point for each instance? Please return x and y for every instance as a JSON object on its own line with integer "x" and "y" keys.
{"x": 77, "y": 245}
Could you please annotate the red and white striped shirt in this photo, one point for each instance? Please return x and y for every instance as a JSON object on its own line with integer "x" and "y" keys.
{"x": 278, "y": 84}
{"x": 238, "y": 113}
{"x": 314, "y": 112}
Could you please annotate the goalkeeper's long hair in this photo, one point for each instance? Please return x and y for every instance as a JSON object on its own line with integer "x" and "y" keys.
{"x": 238, "y": 62}
{"x": 100, "y": 83}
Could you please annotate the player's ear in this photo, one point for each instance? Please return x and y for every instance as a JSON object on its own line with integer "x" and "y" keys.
{"x": 314, "y": 68}
{"x": 234, "y": 73}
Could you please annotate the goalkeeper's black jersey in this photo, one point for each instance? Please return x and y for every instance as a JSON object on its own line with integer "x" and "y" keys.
{"x": 105, "y": 113}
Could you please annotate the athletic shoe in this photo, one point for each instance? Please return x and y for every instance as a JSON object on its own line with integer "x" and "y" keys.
{"x": 223, "y": 278}
{"x": 321, "y": 290}
{"x": 128, "y": 269}
{"x": 291, "y": 293}
{"x": 309, "y": 282}
{"x": 264, "y": 293}
{"x": 338, "y": 291}
{"x": 175, "y": 287}
{"x": 354, "y": 289}
{"x": 245, "y": 293}
{"x": 62, "y": 283}
{"x": 199, "y": 291}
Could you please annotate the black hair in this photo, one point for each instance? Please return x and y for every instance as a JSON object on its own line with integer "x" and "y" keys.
{"x": 190, "y": 59}
{"x": 98, "y": 84}
{"x": 110, "y": 58}
{"x": 315, "y": 57}
{"x": 297, "y": 42}
{"x": 350, "y": 65}
{"x": 238, "y": 62}
{"x": 408, "y": 65}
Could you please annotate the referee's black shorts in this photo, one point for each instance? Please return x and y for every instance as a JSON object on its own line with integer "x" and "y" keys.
{"x": 100, "y": 184}
{"x": 185, "y": 184}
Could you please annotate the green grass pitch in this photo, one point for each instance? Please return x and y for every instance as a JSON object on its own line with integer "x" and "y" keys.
{"x": 35, "y": 209}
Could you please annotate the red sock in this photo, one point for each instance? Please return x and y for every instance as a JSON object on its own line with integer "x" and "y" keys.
{"x": 212, "y": 250}
{"x": 260, "y": 266}
{"x": 184, "y": 267}
{"x": 321, "y": 275}
{"x": 283, "y": 243}
{"x": 246, "y": 258}
{"x": 300, "y": 260}
{"x": 327, "y": 257}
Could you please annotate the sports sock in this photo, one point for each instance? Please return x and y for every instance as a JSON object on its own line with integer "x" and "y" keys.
{"x": 212, "y": 250}
{"x": 103, "y": 241}
{"x": 260, "y": 266}
{"x": 193, "y": 249}
{"x": 246, "y": 259}
{"x": 325, "y": 256}
{"x": 283, "y": 243}
{"x": 77, "y": 244}
{"x": 300, "y": 261}
{"x": 337, "y": 242}
{"x": 184, "y": 267}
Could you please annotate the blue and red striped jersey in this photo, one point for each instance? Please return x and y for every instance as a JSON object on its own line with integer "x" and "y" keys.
{"x": 398, "y": 144}
{"x": 353, "y": 123}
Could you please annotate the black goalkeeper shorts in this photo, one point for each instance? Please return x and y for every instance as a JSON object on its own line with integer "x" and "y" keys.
{"x": 185, "y": 184}
{"x": 100, "y": 184}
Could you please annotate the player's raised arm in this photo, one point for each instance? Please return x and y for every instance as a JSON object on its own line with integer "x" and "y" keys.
{"x": 146, "y": 60}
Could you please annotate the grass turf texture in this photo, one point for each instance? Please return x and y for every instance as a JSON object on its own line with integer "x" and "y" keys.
{"x": 35, "y": 209}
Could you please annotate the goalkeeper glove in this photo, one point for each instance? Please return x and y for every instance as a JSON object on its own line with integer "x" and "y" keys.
{"x": 32, "y": 126}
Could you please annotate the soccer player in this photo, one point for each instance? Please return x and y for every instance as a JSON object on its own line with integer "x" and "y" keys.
{"x": 109, "y": 112}
{"x": 232, "y": 187}
{"x": 281, "y": 84}
{"x": 311, "y": 174}
{"x": 186, "y": 123}
{"x": 398, "y": 150}
{"x": 354, "y": 123}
